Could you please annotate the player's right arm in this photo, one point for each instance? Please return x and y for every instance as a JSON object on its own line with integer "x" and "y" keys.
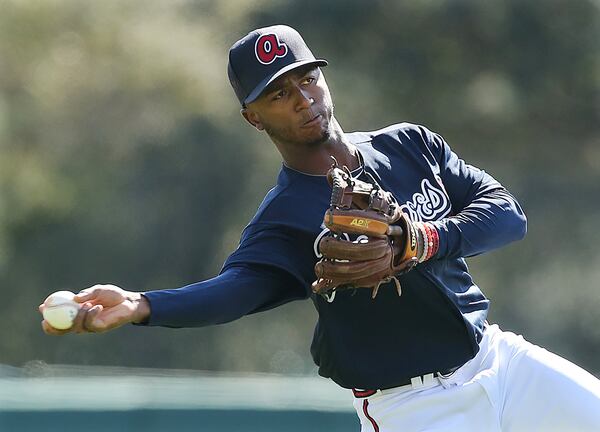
{"x": 103, "y": 308}
{"x": 239, "y": 290}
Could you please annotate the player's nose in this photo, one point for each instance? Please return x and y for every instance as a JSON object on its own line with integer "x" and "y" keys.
{"x": 304, "y": 99}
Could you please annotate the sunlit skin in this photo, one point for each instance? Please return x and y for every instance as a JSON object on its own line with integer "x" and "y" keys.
{"x": 296, "y": 111}
{"x": 103, "y": 308}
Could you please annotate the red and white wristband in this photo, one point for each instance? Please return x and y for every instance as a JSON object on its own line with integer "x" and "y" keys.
{"x": 431, "y": 240}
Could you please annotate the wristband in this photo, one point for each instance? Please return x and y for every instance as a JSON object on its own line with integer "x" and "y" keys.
{"x": 429, "y": 241}
{"x": 434, "y": 240}
{"x": 423, "y": 231}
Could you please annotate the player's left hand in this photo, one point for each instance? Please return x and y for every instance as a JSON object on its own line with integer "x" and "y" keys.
{"x": 388, "y": 245}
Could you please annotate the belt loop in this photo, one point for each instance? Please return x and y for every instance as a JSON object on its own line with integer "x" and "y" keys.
{"x": 416, "y": 382}
{"x": 428, "y": 379}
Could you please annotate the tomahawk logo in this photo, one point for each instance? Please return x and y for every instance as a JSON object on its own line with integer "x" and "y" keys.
{"x": 268, "y": 48}
{"x": 431, "y": 203}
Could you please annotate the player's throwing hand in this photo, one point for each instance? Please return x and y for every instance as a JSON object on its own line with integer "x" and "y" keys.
{"x": 103, "y": 307}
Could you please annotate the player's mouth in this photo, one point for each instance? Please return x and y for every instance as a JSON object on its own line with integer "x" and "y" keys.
{"x": 313, "y": 121}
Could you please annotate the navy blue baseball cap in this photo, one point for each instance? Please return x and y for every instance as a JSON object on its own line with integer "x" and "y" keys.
{"x": 263, "y": 55}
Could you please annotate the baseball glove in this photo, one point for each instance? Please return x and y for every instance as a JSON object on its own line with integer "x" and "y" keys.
{"x": 388, "y": 243}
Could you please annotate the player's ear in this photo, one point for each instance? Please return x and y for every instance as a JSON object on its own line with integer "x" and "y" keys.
{"x": 252, "y": 117}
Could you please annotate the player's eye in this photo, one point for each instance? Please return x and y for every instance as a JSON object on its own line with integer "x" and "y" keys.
{"x": 279, "y": 94}
{"x": 308, "y": 80}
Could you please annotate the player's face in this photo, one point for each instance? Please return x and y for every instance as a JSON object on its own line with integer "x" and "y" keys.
{"x": 295, "y": 109}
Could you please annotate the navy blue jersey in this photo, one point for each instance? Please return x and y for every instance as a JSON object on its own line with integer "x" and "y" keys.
{"x": 361, "y": 342}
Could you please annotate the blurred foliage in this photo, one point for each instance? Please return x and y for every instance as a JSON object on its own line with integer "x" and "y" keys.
{"x": 123, "y": 157}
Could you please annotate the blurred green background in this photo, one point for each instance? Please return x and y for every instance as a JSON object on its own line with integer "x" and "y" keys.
{"x": 123, "y": 157}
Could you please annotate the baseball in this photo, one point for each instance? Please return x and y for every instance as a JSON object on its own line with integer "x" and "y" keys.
{"x": 60, "y": 309}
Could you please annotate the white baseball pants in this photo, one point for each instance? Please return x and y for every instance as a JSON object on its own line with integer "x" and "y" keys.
{"x": 511, "y": 386}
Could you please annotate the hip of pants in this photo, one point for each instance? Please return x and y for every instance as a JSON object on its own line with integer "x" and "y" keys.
{"x": 510, "y": 385}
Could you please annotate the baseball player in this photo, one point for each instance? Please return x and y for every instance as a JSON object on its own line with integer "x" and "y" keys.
{"x": 373, "y": 227}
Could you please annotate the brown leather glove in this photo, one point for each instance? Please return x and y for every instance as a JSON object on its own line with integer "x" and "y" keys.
{"x": 389, "y": 244}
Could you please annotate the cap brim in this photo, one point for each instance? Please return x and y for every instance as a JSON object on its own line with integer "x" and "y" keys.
{"x": 268, "y": 80}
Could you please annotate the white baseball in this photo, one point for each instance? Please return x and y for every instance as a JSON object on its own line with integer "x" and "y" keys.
{"x": 60, "y": 309}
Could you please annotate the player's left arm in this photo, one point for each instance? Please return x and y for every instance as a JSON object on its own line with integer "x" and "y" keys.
{"x": 485, "y": 215}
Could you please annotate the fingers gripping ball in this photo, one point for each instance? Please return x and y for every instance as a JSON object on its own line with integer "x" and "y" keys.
{"x": 60, "y": 309}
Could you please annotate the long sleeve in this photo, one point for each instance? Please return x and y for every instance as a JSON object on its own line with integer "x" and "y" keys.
{"x": 485, "y": 215}
{"x": 239, "y": 290}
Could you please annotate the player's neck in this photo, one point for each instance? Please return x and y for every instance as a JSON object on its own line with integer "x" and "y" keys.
{"x": 316, "y": 160}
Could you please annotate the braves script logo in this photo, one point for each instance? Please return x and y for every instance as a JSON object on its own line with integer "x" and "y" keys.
{"x": 268, "y": 48}
{"x": 431, "y": 203}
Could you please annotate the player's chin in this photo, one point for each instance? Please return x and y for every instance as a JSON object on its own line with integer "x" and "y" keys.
{"x": 318, "y": 139}
{"x": 317, "y": 134}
